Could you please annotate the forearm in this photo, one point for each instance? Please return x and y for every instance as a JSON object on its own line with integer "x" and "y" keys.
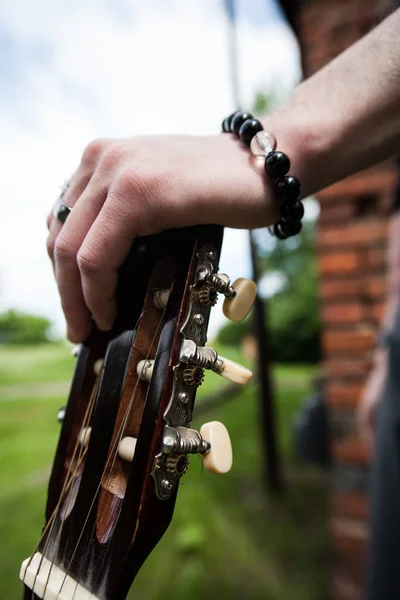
{"x": 347, "y": 116}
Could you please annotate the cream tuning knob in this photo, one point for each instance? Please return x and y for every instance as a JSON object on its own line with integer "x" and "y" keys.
{"x": 84, "y": 436}
{"x": 144, "y": 369}
{"x": 160, "y": 298}
{"x": 98, "y": 365}
{"x": 234, "y": 372}
{"x": 238, "y": 306}
{"x": 126, "y": 448}
{"x": 75, "y": 350}
{"x": 218, "y": 459}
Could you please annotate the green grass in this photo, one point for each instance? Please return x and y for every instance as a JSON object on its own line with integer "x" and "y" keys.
{"x": 228, "y": 539}
{"x": 21, "y": 364}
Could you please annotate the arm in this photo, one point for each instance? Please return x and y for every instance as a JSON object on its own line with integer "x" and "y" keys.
{"x": 343, "y": 119}
{"x": 346, "y": 117}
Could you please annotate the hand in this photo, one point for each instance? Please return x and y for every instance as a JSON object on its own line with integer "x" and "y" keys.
{"x": 372, "y": 396}
{"x": 140, "y": 186}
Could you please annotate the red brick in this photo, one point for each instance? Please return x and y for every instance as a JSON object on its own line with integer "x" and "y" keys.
{"x": 350, "y": 534}
{"x": 351, "y": 450}
{"x": 338, "y": 212}
{"x": 343, "y": 394}
{"x": 350, "y": 505}
{"x": 338, "y": 288}
{"x": 378, "y": 180}
{"x": 347, "y": 367}
{"x": 351, "y": 341}
{"x": 362, "y": 233}
{"x": 343, "y": 313}
{"x": 374, "y": 286}
{"x": 365, "y": 288}
{"x": 374, "y": 259}
{"x": 340, "y": 262}
{"x": 377, "y": 311}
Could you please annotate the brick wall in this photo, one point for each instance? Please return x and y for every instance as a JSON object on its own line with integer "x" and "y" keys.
{"x": 352, "y": 238}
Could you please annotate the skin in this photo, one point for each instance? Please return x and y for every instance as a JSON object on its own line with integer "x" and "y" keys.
{"x": 139, "y": 186}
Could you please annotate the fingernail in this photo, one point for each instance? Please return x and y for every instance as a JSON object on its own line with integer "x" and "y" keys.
{"x": 106, "y": 322}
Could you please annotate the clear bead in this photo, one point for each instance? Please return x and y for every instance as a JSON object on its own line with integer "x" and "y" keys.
{"x": 262, "y": 143}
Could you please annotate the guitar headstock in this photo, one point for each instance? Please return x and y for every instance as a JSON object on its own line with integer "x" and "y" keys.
{"x": 126, "y": 439}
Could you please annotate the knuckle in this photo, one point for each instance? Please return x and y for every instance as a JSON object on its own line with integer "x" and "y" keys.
{"x": 141, "y": 184}
{"x": 88, "y": 261}
{"x": 63, "y": 251}
{"x": 94, "y": 150}
{"x": 112, "y": 156}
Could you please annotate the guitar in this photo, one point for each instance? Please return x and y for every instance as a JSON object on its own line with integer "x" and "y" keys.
{"x": 125, "y": 439}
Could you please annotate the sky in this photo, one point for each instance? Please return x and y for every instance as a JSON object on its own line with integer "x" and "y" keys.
{"x": 72, "y": 71}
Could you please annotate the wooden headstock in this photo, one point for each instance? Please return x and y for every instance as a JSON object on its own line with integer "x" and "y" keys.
{"x": 125, "y": 439}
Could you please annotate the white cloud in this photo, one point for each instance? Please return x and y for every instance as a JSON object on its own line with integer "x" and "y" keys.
{"x": 112, "y": 69}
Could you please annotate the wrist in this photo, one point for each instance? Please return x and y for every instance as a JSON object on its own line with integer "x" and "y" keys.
{"x": 308, "y": 141}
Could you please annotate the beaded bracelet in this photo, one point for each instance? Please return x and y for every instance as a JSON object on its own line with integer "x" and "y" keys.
{"x": 277, "y": 164}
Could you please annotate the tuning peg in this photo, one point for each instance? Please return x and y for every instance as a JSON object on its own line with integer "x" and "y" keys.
{"x": 126, "y": 448}
{"x": 61, "y": 414}
{"x": 84, "y": 436}
{"x": 207, "y": 358}
{"x": 234, "y": 372}
{"x": 239, "y": 297}
{"x": 236, "y": 307}
{"x": 219, "y": 457}
{"x": 98, "y": 365}
{"x": 144, "y": 369}
{"x": 75, "y": 350}
{"x": 160, "y": 298}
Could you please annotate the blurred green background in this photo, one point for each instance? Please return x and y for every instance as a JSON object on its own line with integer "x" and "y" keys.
{"x": 228, "y": 538}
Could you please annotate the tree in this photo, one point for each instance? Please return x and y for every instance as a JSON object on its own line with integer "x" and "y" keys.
{"x": 293, "y": 312}
{"x": 22, "y": 328}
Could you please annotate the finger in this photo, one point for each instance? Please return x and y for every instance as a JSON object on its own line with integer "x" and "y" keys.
{"x": 102, "y": 253}
{"x": 49, "y": 220}
{"x": 77, "y": 185}
{"x": 67, "y": 245}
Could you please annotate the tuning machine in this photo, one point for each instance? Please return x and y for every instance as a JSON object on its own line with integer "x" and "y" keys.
{"x": 239, "y": 297}
{"x": 207, "y": 358}
{"x": 212, "y": 443}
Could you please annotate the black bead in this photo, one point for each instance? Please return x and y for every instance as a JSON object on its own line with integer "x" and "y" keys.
{"x": 249, "y": 129}
{"x": 237, "y": 121}
{"x": 226, "y": 123}
{"x": 278, "y": 233}
{"x": 289, "y": 229}
{"x": 292, "y": 213}
{"x": 277, "y": 164}
{"x": 288, "y": 189}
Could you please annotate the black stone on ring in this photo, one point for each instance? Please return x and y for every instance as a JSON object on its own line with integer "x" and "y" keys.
{"x": 61, "y": 210}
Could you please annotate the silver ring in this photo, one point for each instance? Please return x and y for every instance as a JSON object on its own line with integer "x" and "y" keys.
{"x": 61, "y": 210}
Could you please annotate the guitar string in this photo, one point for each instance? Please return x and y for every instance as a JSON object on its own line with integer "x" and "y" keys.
{"x": 67, "y": 483}
{"x": 82, "y": 449}
{"x": 66, "y": 486}
{"x": 113, "y": 455}
{"x": 120, "y": 433}
{"x": 73, "y": 475}
{"x": 110, "y": 540}
{"x": 48, "y": 524}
